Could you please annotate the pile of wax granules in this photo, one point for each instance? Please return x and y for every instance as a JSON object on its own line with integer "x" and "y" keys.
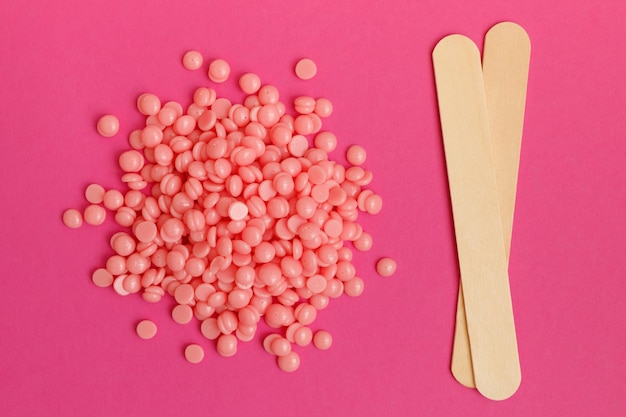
{"x": 235, "y": 211}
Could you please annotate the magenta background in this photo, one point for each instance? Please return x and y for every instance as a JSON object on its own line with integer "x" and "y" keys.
{"x": 68, "y": 348}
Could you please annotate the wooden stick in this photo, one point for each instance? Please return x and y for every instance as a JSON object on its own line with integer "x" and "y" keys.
{"x": 506, "y": 58}
{"x": 478, "y": 226}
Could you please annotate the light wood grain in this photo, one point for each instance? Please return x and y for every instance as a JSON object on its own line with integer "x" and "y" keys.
{"x": 506, "y": 57}
{"x": 478, "y": 226}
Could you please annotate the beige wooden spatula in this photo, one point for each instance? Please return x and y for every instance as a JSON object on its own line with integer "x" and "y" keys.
{"x": 477, "y": 219}
{"x": 506, "y": 57}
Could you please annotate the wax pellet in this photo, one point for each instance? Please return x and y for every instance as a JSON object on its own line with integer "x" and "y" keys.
{"x": 219, "y": 70}
{"x": 148, "y": 104}
{"x": 303, "y": 336}
{"x": 356, "y": 155}
{"x": 194, "y": 353}
{"x": 354, "y": 287}
{"x": 289, "y": 362}
{"x": 326, "y": 141}
{"x": 94, "y": 193}
{"x": 306, "y": 69}
{"x": 386, "y": 267}
{"x": 192, "y": 60}
{"x": 280, "y": 346}
{"x": 102, "y": 278}
{"x": 72, "y": 218}
{"x": 113, "y": 199}
{"x": 249, "y": 83}
{"x": 237, "y": 210}
{"x": 146, "y": 329}
{"x": 146, "y": 231}
{"x": 373, "y": 204}
{"x": 182, "y": 314}
{"x": 227, "y": 345}
{"x": 94, "y": 215}
{"x": 364, "y": 242}
{"x": 323, "y": 107}
{"x": 108, "y": 125}
{"x": 322, "y": 340}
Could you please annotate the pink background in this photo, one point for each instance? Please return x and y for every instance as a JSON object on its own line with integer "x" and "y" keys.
{"x": 68, "y": 348}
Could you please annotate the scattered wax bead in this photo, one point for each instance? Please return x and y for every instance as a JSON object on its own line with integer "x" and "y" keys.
{"x": 280, "y": 346}
{"x": 131, "y": 161}
{"x": 192, "y": 60}
{"x": 364, "y": 242}
{"x": 94, "y": 193}
{"x": 94, "y": 215}
{"x": 373, "y": 204}
{"x": 326, "y": 141}
{"x": 356, "y": 155}
{"x": 249, "y": 83}
{"x": 146, "y": 231}
{"x": 306, "y": 69}
{"x": 194, "y": 353}
{"x": 102, "y": 278}
{"x": 303, "y": 336}
{"x": 209, "y": 328}
{"x": 227, "y": 345}
{"x": 322, "y": 340}
{"x": 182, "y": 314}
{"x": 354, "y": 287}
{"x": 108, "y": 126}
{"x": 148, "y": 104}
{"x": 72, "y": 218}
{"x": 386, "y": 267}
{"x": 289, "y": 363}
{"x": 219, "y": 70}
{"x": 237, "y": 210}
{"x": 113, "y": 199}
{"x": 323, "y": 107}
{"x": 146, "y": 329}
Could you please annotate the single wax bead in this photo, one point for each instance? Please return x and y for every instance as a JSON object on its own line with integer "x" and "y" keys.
{"x": 306, "y": 69}
{"x": 108, "y": 126}
{"x": 194, "y": 353}
{"x": 373, "y": 204}
{"x": 249, "y": 83}
{"x": 227, "y": 345}
{"x": 146, "y": 329}
{"x": 280, "y": 346}
{"x": 354, "y": 287}
{"x": 148, "y": 104}
{"x": 219, "y": 70}
{"x": 237, "y": 210}
{"x": 303, "y": 336}
{"x": 364, "y": 242}
{"x": 146, "y": 231}
{"x": 113, "y": 199}
{"x": 323, "y": 107}
{"x": 182, "y": 314}
{"x": 290, "y": 362}
{"x": 102, "y": 278}
{"x": 94, "y": 193}
{"x": 192, "y": 60}
{"x": 322, "y": 340}
{"x": 72, "y": 218}
{"x": 326, "y": 141}
{"x": 356, "y": 155}
{"x": 94, "y": 215}
{"x": 131, "y": 161}
{"x": 386, "y": 267}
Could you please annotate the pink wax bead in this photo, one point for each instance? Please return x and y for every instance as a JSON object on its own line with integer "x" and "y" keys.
{"x": 94, "y": 193}
{"x": 354, "y": 287}
{"x": 219, "y": 70}
{"x": 192, "y": 60}
{"x": 364, "y": 242}
{"x": 131, "y": 161}
{"x": 322, "y": 340}
{"x": 280, "y": 346}
{"x": 306, "y": 69}
{"x": 72, "y": 218}
{"x": 356, "y": 155}
{"x": 146, "y": 329}
{"x": 108, "y": 126}
{"x": 386, "y": 267}
{"x": 182, "y": 314}
{"x": 113, "y": 199}
{"x": 323, "y": 107}
{"x": 373, "y": 204}
{"x": 326, "y": 141}
{"x": 289, "y": 362}
{"x": 148, "y": 104}
{"x": 227, "y": 345}
{"x": 194, "y": 353}
{"x": 94, "y": 215}
{"x": 102, "y": 278}
{"x": 249, "y": 83}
